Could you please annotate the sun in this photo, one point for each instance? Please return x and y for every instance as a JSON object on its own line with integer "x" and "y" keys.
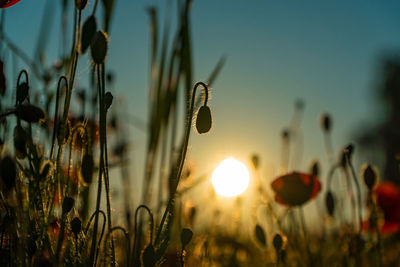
{"x": 230, "y": 178}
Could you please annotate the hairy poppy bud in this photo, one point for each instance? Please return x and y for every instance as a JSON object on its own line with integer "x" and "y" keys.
{"x": 8, "y": 172}
{"x": 30, "y": 113}
{"x": 108, "y": 99}
{"x": 98, "y": 47}
{"x": 277, "y": 242}
{"x": 149, "y": 256}
{"x": 326, "y": 122}
{"x": 260, "y": 235}
{"x": 203, "y": 120}
{"x": 330, "y": 203}
{"x": 67, "y": 204}
{"x": 87, "y": 168}
{"x": 22, "y": 92}
{"x": 76, "y": 226}
{"x": 369, "y": 176}
{"x": 186, "y": 236}
{"x": 89, "y": 30}
{"x": 80, "y": 4}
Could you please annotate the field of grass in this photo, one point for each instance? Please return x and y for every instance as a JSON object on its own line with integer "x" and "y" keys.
{"x": 61, "y": 146}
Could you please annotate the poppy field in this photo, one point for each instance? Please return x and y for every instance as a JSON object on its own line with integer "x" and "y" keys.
{"x": 65, "y": 149}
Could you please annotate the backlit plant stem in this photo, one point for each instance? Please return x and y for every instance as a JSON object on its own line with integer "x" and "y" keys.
{"x": 358, "y": 192}
{"x": 182, "y": 155}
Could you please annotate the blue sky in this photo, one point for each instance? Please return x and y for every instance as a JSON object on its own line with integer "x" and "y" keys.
{"x": 325, "y": 53}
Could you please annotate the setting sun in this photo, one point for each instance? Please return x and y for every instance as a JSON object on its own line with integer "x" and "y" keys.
{"x": 230, "y": 178}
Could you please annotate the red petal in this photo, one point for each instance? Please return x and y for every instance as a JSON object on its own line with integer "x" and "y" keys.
{"x": 277, "y": 184}
{"x": 316, "y": 188}
{"x": 390, "y": 227}
{"x": 8, "y": 3}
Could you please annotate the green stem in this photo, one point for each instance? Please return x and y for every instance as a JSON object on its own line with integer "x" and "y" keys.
{"x": 358, "y": 193}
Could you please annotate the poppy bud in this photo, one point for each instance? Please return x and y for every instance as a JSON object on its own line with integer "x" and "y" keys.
{"x": 314, "y": 169}
{"x": 203, "y": 120}
{"x": 330, "y": 203}
{"x": 326, "y": 122}
{"x": 149, "y": 256}
{"x": 8, "y": 172}
{"x": 20, "y": 138}
{"x": 76, "y": 226}
{"x": 186, "y": 236}
{"x": 108, "y": 98}
{"x": 80, "y": 4}
{"x": 277, "y": 242}
{"x": 369, "y": 176}
{"x": 67, "y": 204}
{"x": 22, "y": 92}
{"x": 87, "y": 168}
{"x": 89, "y": 29}
{"x": 286, "y": 134}
{"x": 98, "y": 47}
{"x": 255, "y": 160}
{"x": 30, "y": 113}
{"x": 260, "y": 235}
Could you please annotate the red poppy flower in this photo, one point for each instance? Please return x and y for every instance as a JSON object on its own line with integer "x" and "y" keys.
{"x": 388, "y": 199}
{"x": 8, "y": 3}
{"x": 294, "y": 189}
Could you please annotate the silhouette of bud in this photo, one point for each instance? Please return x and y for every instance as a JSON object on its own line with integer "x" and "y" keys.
{"x": 8, "y": 172}
{"x": 330, "y": 203}
{"x": 110, "y": 77}
{"x": 315, "y": 169}
{"x": 255, "y": 160}
{"x": 80, "y": 4}
{"x": 30, "y": 113}
{"x": 260, "y": 235}
{"x": 186, "y": 236}
{"x": 286, "y": 134}
{"x": 67, "y": 204}
{"x": 87, "y": 168}
{"x": 76, "y": 226}
{"x": 326, "y": 122}
{"x": 203, "y": 120}
{"x": 108, "y": 99}
{"x": 89, "y": 30}
{"x": 2, "y": 79}
{"x": 369, "y": 176}
{"x": 98, "y": 47}
{"x": 22, "y": 92}
{"x": 20, "y": 138}
{"x": 149, "y": 256}
{"x": 277, "y": 242}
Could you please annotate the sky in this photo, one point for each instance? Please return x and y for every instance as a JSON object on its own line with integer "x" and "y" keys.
{"x": 325, "y": 53}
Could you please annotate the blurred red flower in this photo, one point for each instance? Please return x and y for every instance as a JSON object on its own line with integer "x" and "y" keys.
{"x": 388, "y": 199}
{"x": 295, "y": 188}
{"x": 8, "y": 3}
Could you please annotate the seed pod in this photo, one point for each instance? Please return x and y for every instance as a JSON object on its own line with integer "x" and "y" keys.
{"x": 30, "y": 113}
{"x": 89, "y": 29}
{"x": 278, "y": 242}
{"x": 87, "y": 168}
{"x": 149, "y": 256}
{"x": 203, "y": 120}
{"x": 98, "y": 47}
{"x": 76, "y": 226}
{"x": 260, "y": 235}
{"x": 80, "y": 4}
{"x": 369, "y": 176}
{"x": 186, "y": 236}
{"x": 20, "y": 139}
{"x": 108, "y": 99}
{"x": 330, "y": 203}
{"x": 8, "y": 172}
{"x": 326, "y": 122}
{"x": 67, "y": 204}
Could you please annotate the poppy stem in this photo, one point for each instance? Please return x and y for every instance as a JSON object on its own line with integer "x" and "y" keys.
{"x": 303, "y": 224}
{"x": 358, "y": 192}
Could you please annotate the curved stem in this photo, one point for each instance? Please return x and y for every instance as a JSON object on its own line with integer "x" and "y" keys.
{"x": 127, "y": 237}
{"x": 358, "y": 192}
{"x": 96, "y": 248}
{"x": 135, "y": 226}
{"x": 182, "y": 155}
